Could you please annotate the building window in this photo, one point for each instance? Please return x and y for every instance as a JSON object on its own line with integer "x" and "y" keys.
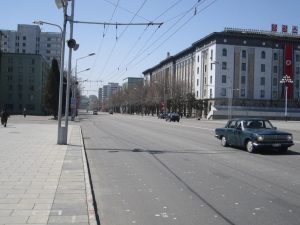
{"x": 17, "y": 44}
{"x": 275, "y": 56}
{"x": 274, "y": 94}
{"x": 23, "y": 51}
{"x": 205, "y": 68}
{"x": 297, "y": 58}
{"x": 198, "y": 58}
{"x": 224, "y": 79}
{"x": 297, "y": 84}
{"x": 223, "y": 92}
{"x": 197, "y": 82}
{"x": 243, "y": 79}
{"x": 275, "y": 69}
{"x": 297, "y": 70}
{"x": 275, "y": 81}
{"x": 262, "y": 93}
{"x": 243, "y": 66}
{"x": 244, "y": 54}
{"x": 48, "y": 39}
{"x": 48, "y": 51}
{"x": 262, "y": 81}
{"x": 262, "y": 68}
{"x": 263, "y": 54}
{"x": 32, "y": 61}
{"x": 224, "y": 52}
{"x": 204, "y": 80}
{"x": 210, "y": 79}
{"x": 211, "y": 54}
{"x": 197, "y": 70}
{"x": 243, "y": 92}
{"x": 24, "y": 38}
{"x": 197, "y": 93}
{"x": 10, "y": 69}
{"x": 224, "y": 65}
{"x": 210, "y": 93}
{"x": 24, "y": 44}
{"x": 48, "y": 45}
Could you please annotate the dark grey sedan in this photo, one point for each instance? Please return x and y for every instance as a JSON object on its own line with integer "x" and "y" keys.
{"x": 253, "y": 134}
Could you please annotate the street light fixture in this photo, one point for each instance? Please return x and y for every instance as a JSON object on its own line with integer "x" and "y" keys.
{"x": 73, "y": 99}
{"x": 60, "y": 131}
{"x": 286, "y": 80}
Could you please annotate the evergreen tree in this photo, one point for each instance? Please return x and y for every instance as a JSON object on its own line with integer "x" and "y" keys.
{"x": 52, "y": 89}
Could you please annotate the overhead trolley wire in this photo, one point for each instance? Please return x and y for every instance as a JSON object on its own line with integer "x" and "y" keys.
{"x": 165, "y": 40}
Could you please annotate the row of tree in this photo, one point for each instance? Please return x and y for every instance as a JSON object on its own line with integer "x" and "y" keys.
{"x": 51, "y": 92}
{"x": 155, "y": 98}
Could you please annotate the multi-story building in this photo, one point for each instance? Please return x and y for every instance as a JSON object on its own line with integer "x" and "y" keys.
{"x": 236, "y": 67}
{"x": 22, "y": 82}
{"x": 132, "y": 82}
{"x": 29, "y": 39}
{"x": 108, "y": 90}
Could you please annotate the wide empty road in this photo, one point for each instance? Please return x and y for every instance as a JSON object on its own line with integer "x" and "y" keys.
{"x": 148, "y": 171}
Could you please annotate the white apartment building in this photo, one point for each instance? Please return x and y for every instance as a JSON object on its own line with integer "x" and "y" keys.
{"x": 244, "y": 66}
{"x": 30, "y": 39}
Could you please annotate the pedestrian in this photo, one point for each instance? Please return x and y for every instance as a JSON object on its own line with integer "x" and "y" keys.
{"x": 4, "y": 117}
{"x": 24, "y": 112}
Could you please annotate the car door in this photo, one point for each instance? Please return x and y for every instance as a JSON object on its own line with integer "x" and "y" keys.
{"x": 237, "y": 133}
{"x": 230, "y": 132}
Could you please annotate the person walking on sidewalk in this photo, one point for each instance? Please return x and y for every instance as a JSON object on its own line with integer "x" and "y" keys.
{"x": 4, "y": 117}
{"x": 24, "y": 112}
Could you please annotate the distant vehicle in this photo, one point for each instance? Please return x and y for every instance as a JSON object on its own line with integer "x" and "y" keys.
{"x": 95, "y": 112}
{"x": 173, "y": 117}
{"x": 111, "y": 111}
{"x": 162, "y": 115}
{"x": 253, "y": 134}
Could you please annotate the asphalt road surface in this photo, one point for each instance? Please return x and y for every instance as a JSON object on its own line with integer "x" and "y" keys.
{"x": 148, "y": 171}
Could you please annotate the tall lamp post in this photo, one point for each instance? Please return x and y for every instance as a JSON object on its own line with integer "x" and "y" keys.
{"x": 286, "y": 80}
{"x": 60, "y": 131}
{"x": 73, "y": 99}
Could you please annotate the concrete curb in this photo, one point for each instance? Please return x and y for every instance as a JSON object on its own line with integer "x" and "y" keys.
{"x": 89, "y": 194}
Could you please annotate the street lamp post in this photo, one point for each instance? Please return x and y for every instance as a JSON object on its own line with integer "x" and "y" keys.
{"x": 73, "y": 101}
{"x": 286, "y": 80}
{"x": 60, "y": 131}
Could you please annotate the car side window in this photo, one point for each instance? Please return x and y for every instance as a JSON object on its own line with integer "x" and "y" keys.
{"x": 239, "y": 125}
{"x": 231, "y": 124}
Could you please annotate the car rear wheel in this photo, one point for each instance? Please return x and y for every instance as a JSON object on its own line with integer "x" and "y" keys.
{"x": 249, "y": 146}
{"x": 224, "y": 141}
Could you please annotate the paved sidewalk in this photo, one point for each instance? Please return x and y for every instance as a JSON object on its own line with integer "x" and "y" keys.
{"x": 42, "y": 182}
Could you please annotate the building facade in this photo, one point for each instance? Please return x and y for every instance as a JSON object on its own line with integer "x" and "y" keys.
{"x": 236, "y": 67}
{"x": 22, "y": 81}
{"x": 29, "y": 39}
{"x": 132, "y": 82}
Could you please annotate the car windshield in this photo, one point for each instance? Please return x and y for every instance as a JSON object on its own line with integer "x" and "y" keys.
{"x": 258, "y": 124}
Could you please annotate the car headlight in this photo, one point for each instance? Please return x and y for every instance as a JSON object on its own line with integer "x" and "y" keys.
{"x": 260, "y": 138}
{"x": 290, "y": 137}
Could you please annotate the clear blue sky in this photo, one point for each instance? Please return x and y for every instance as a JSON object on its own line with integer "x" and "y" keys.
{"x": 139, "y": 47}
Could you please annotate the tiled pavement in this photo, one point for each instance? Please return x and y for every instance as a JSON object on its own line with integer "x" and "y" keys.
{"x": 42, "y": 182}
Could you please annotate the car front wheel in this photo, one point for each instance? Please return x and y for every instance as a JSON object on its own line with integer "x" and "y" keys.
{"x": 249, "y": 146}
{"x": 224, "y": 141}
